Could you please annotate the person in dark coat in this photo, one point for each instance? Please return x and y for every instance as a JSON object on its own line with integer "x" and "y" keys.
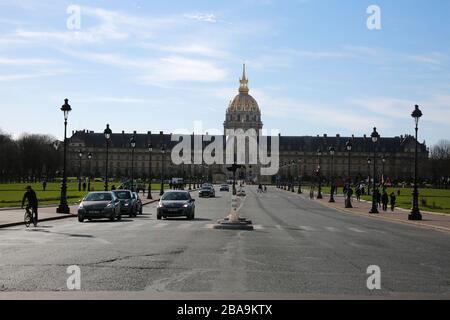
{"x": 393, "y": 198}
{"x": 385, "y": 200}
{"x": 44, "y": 185}
{"x": 32, "y": 201}
{"x": 358, "y": 194}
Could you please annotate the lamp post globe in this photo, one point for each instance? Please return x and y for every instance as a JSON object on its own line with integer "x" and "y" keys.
{"x": 332, "y": 152}
{"x": 319, "y": 155}
{"x": 63, "y": 207}
{"x": 348, "y": 200}
{"x": 108, "y": 134}
{"x": 415, "y": 214}
{"x": 150, "y": 150}
{"x": 375, "y": 136}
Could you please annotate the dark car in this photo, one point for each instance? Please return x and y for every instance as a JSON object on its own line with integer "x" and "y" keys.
{"x": 98, "y": 205}
{"x": 176, "y": 204}
{"x": 207, "y": 192}
{"x": 128, "y": 203}
{"x": 224, "y": 187}
{"x": 138, "y": 202}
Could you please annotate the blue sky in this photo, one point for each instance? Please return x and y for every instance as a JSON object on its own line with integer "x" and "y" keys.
{"x": 314, "y": 66}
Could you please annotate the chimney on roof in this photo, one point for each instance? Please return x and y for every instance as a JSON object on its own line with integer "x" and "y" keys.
{"x": 123, "y": 131}
{"x": 134, "y": 132}
{"x": 365, "y": 136}
{"x": 149, "y": 132}
{"x": 338, "y": 135}
{"x": 161, "y": 132}
{"x": 324, "y": 135}
{"x": 353, "y": 136}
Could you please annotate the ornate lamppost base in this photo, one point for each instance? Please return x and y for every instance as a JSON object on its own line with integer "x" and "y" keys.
{"x": 348, "y": 203}
{"x": 331, "y": 200}
{"x": 63, "y": 208}
{"x": 415, "y": 216}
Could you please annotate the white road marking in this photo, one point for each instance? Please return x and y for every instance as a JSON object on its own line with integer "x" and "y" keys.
{"x": 184, "y": 226}
{"x": 356, "y": 230}
{"x": 278, "y": 227}
{"x": 160, "y": 225}
{"x": 307, "y": 228}
{"x": 258, "y": 227}
{"x": 332, "y": 229}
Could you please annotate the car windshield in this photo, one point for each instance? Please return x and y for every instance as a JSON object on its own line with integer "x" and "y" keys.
{"x": 123, "y": 194}
{"x": 98, "y": 197}
{"x": 176, "y": 196}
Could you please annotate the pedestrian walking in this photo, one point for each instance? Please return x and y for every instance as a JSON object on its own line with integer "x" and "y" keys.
{"x": 44, "y": 185}
{"x": 385, "y": 200}
{"x": 393, "y": 198}
{"x": 84, "y": 186}
{"x": 358, "y": 194}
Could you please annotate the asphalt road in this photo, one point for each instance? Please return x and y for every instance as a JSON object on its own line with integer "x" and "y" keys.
{"x": 298, "y": 247}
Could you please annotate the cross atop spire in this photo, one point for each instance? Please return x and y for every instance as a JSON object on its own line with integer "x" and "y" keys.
{"x": 243, "y": 88}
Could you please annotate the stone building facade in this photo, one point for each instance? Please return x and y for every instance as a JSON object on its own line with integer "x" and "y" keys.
{"x": 297, "y": 154}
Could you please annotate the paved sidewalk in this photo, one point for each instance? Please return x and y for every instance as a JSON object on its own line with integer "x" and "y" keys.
{"x": 438, "y": 221}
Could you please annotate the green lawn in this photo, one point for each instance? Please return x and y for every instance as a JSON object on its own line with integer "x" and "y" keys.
{"x": 437, "y": 200}
{"x": 11, "y": 194}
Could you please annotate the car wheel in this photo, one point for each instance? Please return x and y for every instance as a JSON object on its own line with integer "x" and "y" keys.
{"x": 119, "y": 217}
{"x": 111, "y": 218}
{"x": 80, "y": 219}
{"x": 140, "y": 211}
{"x": 158, "y": 217}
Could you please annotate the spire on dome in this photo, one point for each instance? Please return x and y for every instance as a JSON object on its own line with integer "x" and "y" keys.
{"x": 243, "y": 88}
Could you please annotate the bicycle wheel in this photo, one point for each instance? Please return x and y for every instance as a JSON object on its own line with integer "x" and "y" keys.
{"x": 27, "y": 219}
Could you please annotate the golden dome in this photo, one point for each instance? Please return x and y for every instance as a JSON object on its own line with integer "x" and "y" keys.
{"x": 243, "y": 101}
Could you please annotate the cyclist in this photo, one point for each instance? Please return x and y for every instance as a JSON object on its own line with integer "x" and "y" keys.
{"x": 32, "y": 202}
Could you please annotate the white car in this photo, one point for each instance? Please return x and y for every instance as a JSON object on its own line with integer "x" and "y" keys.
{"x": 241, "y": 193}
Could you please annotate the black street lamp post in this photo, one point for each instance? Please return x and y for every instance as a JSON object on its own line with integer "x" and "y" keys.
{"x": 150, "y": 150}
{"x": 332, "y": 151}
{"x": 292, "y": 174}
{"x": 415, "y": 212}
{"x": 375, "y": 136}
{"x": 80, "y": 158}
{"x": 63, "y": 207}
{"x": 89, "y": 170}
{"x": 319, "y": 154}
{"x": 133, "y": 147}
{"x": 348, "y": 201}
{"x": 163, "y": 151}
{"x": 369, "y": 162}
{"x": 108, "y": 134}
{"x": 190, "y": 176}
{"x": 299, "y": 177}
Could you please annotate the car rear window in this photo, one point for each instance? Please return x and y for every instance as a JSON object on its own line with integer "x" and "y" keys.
{"x": 98, "y": 197}
{"x": 123, "y": 194}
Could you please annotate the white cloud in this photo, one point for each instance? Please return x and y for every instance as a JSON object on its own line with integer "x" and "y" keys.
{"x": 203, "y": 17}
{"x": 25, "y": 61}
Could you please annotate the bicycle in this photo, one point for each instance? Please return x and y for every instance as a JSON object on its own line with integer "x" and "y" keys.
{"x": 29, "y": 217}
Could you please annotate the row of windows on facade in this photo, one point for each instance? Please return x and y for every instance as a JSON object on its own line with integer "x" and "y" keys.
{"x": 239, "y": 118}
